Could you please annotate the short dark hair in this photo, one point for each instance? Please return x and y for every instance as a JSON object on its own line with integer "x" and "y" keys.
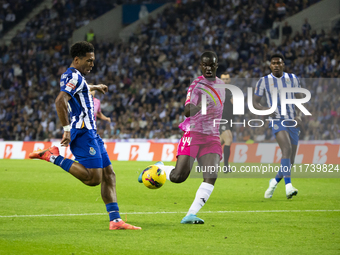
{"x": 277, "y": 55}
{"x": 209, "y": 54}
{"x": 79, "y": 49}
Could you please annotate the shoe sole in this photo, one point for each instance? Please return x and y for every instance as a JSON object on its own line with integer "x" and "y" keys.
{"x": 193, "y": 222}
{"x": 294, "y": 193}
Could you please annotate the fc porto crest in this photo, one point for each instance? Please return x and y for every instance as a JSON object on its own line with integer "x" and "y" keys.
{"x": 276, "y": 127}
{"x": 288, "y": 81}
{"x": 92, "y": 151}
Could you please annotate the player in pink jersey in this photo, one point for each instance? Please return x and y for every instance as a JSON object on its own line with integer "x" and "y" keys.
{"x": 97, "y": 111}
{"x": 201, "y": 138}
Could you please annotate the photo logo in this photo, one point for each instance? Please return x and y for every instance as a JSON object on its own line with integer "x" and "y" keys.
{"x": 238, "y": 100}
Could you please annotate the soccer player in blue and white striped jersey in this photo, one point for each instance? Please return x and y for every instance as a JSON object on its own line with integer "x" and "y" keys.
{"x": 76, "y": 102}
{"x": 287, "y": 137}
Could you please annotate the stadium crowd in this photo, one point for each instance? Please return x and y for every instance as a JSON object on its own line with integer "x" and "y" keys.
{"x": 13, "y": 11}
{"x": 148, "y": 76}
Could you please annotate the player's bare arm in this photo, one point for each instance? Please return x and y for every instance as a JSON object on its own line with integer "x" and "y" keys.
{"x": 101, "y": 116}
{"x": 298, "y": 112}
{"x": 100, "y": 88}
{"x": 258, "y": 106}
{"x": 61, "y": 107}
{"x": 256, "y": 103}
{"x": 191, "y": 110}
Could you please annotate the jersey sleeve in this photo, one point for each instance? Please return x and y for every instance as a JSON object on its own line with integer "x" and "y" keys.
{"x": 70, "y": 84}
{"x": 193, "y": 95}
{"x": 297, "y": 83}
{"x": 259, "y": 88}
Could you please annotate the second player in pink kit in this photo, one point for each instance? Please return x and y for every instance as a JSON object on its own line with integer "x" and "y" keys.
{"x": 97, "y": 110}
{"x": 201, "y": 139}
{"x": 200, "y": 135}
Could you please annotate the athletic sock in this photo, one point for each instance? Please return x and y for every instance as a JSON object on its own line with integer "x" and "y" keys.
{"x": 226, "y": 154}
{"x": 278, "y": 177}
{"x": 167, "y": 170}
{"x": 285, "y": 169}
{"x": 202, "y": 195}
{"x": 113, "y": 210}
{"x": 64, "y": 163}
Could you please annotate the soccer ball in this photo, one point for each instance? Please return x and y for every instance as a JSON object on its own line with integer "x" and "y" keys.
{"x": 153, "y": 177}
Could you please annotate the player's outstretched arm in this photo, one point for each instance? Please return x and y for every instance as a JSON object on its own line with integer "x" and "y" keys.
{"x": 299, "y": 113}
{"x": 100, "y": 87}
{"x": 257, "y": 105}
{"x": 191, "y": 110}
{"x": 61, "y": 106}
{"x": 101, "y": 116}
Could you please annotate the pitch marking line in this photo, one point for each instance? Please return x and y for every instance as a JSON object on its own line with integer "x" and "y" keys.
{"x": 93, "y": 214}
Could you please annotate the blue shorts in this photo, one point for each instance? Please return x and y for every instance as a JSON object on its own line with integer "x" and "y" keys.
{"x": 88, "y": 148}
{"x": 292, "y": 131}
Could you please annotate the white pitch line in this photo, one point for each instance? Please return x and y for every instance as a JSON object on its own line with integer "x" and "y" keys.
{"x": 94, "y": 214}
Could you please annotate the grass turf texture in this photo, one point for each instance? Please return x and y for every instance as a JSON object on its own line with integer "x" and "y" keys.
{"x": 32, "y": 187}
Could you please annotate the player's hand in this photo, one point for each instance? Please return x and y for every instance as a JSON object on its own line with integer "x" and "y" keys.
{"x": 102, "y": 88}
{"x": 66, "y": 139}
{"x": 300, "y": 124}
{"x": 299, "y": 121}
{"x": 272, "y": 115}
{"x": 108, "y": 119}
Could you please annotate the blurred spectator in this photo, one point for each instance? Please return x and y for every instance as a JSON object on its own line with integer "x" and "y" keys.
{"x": 13, "y": 11}
{"x": 306, "y": 27}
{"x": 275, "y": 32}
{"x": 90, "y": 36}
{"x": 287, "y": 31}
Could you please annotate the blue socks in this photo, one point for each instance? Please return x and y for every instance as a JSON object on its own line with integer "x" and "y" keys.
{"x": 285, "y": 163}
{"x": 284, "y": 171}
{"x": 64, "y": 163}
{"x": 113, "y": 210}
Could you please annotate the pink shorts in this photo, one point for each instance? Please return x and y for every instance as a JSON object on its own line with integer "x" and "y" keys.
{"x": 196, "y": 145}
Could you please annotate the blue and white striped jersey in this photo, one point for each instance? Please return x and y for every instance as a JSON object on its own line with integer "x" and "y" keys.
{"x": 267, "y": 83}
{"x": 81, "y": 106}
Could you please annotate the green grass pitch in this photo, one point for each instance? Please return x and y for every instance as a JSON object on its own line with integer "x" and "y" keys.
{"x": 44, "y": 210}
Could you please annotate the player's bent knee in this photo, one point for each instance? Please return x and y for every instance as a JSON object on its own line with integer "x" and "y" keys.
{"x": 92, "y": 183}
{"x": 210, "y": 180}
{"x": 178, "y": 178}
{"x": 287, "y": 151}
{"x": 95, "y": 177}
{"x": 95, "y": 181}
{"x": 109, "y": 175}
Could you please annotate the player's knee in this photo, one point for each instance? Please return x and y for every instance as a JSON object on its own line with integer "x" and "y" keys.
{"x": 177, "y": 178}
{"x": 287, "y": 151}
{"x": 210, "y": 180}
{"x": 108, "y": 173}
{"x": 94, "y": 178}
{"x": 95, "y": 181}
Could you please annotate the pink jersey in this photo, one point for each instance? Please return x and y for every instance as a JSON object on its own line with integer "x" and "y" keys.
{"x": 96, "y": 103}
{"x": 215, "y": 99}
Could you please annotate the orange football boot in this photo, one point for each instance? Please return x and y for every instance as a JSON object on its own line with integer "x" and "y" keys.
{"x": 45, "y": 154}
{"x": 122, "y": 225}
